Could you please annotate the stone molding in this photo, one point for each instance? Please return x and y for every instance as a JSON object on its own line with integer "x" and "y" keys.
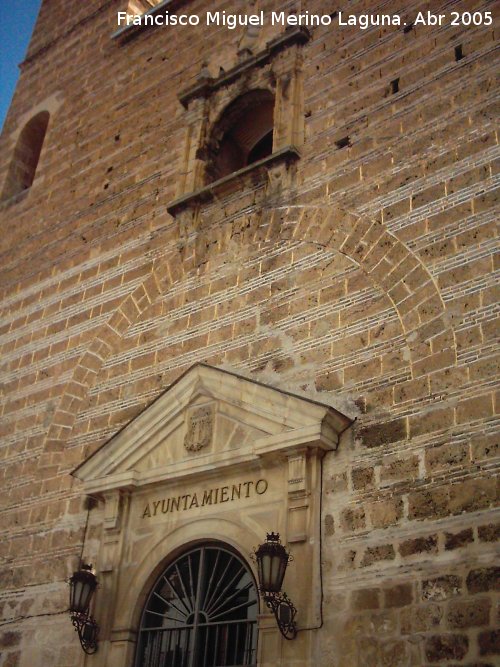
{"x": 284, "y": 421}
{"x": 277, "y": 69}
{"x": 208, "y": 85}
{"x": 211, "y": 191}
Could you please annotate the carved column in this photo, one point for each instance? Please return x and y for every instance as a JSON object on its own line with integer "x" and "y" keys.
{"x": 303, "y": 532}
{"x": 116, "y": 509}
{"x": 298, "y": 496}
{"x": 192, "y": 171}
{"x": 289, "y": 104}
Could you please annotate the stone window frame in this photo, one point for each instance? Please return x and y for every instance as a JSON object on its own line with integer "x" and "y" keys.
{"x": 277, "y": 68}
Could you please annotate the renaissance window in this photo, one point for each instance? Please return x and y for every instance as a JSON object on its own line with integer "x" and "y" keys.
{"x": 24, "y": 162}
{"x": 201, "y": 612}
{"x": 245, "y": 125}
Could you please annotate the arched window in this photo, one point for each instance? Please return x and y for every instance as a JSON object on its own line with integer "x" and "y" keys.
{"x": 202, "y": 612}
{"x": 26, "y": 155}
{"x": 243, "y": 135}
{"x": 141, "y": 6}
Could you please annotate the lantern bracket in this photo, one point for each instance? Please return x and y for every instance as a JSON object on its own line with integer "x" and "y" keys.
{"x": 82, "y": 586}
{"x": 284, "y": 612}
{"x": 272, "y": 559}
{"x": 88, "y": 630}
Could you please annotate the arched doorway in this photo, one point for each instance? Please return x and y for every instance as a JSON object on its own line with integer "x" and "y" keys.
{"x": 201, "y": 612}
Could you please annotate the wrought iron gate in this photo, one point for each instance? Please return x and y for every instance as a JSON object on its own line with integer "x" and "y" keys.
{"x": 202, "y": 612}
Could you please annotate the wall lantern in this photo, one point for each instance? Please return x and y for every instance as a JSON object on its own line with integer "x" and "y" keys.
{"x": 82, "y": 586}
{"x": 272, "y": 560}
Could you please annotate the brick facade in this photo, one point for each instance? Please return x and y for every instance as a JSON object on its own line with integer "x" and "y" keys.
{"x": 361, "y": 276}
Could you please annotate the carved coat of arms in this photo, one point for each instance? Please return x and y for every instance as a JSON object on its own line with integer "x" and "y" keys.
{"x": 200, "y": 427}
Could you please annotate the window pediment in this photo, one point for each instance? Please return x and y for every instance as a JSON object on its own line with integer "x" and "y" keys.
{"x": 209, "y": 419}
{"x": 208, "y": 85}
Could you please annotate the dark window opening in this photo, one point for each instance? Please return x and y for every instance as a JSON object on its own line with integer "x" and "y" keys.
{"x": 262, "y": 148}
{"x": 345, "y": 142}
{"x": 459, "y": 54}
{"x": 22, "y": 168}
{"x": 395, "y": 86}
{"x": 202, "y": 612}
{"x": 243, "y": 135}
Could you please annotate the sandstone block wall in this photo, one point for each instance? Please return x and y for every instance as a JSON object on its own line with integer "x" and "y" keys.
{"x": 368, "y": 281}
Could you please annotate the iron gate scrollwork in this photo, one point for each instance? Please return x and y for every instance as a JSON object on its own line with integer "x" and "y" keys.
{"x": 202, "y": 612}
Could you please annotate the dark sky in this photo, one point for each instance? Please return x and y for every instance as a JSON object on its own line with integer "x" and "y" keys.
{"x": 16, "y": 25}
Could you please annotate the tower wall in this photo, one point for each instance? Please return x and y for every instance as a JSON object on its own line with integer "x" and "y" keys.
{"x": 361, "y": 275}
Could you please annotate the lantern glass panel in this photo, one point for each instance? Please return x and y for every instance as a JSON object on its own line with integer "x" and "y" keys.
{"x": 280, "y": 572}
{"x": 272, "y": 560}
{"x": 266, "y": 566}
{"x": 79, "y": 593}
{"x": 274, "y": 575}
{"x": 82, "y": 586}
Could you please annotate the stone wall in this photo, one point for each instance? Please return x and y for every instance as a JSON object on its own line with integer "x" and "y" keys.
{"x": 366, "y": 281}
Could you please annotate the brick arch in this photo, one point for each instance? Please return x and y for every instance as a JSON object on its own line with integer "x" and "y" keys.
{"x": 384, "y": 259}
{"x": 393, "y": 267}
{"x": 91, "y": 362}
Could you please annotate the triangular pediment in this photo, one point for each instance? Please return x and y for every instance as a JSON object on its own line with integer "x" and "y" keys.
{"x": 208, "y": 418}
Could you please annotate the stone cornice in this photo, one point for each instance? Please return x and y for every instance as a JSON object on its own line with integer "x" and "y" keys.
{"x": 281, "y": 423}
{"x": 208, "y": 85}
{"x": 208, "y": 192}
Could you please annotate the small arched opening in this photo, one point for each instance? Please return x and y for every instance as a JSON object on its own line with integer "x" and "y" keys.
{"x": 201, "y": 611}
{"x": 24, "y": 162}
{"x": 243, "y": 135}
